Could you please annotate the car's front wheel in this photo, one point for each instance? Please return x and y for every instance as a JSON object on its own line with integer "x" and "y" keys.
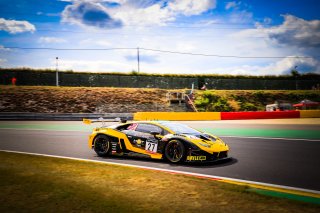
{"x": 102, "y": 145}
{"x": 175, "y": 151}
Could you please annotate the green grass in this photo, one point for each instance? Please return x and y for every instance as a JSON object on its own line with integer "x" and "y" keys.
{"x": 249, "y": 100}
{"x": 42, "y": 184}
{"x": 268, "y": 133}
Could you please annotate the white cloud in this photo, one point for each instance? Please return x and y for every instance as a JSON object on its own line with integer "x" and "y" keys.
{"x": 3, "y": 61}
{"x": 158, "y": 13}
{"x": 231, "y": 5}
{"x": 191, "y": 7}
{"x": 109, "y": 1}
{"x": 239, "y": 12}
{"x": 89, "y": 13}
{"x": 146, "y": 57}
{"x": 280, "y": 67}
{"x": 2, "y": 48}
{"x": 207, "y": 40}
{"x": 287, "y": 64}
{"x": 242, "y": 16}
{"x": 267, "y": 20}
{"x": 295, "y": 31}
{"x": 100, "y": 14}
{"x": 97, "y": 42}
{"x": 51, "y": 40}
{"x": 183, "y": 46}
{"x": 13, "y": 26}
{"x": 151, "y": 15}
{"x": 93, "y": 65}
{"x": 284, "y": 66}
{"x": 300, "y": 36}
{"x": 186, "y": 40}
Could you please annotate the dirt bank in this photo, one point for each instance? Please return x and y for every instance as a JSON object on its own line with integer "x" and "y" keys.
{"x": 81, "y": 99}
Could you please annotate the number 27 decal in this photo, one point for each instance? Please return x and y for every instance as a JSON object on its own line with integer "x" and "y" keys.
{"x": 151, "y": 147}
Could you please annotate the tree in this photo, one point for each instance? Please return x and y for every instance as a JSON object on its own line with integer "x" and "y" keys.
{"x": 295, "y": 72}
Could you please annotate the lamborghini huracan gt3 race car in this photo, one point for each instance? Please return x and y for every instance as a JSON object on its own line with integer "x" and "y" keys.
{"x": 174, "y": 142}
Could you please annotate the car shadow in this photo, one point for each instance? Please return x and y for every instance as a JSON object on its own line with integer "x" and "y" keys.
{"x": 215, "y": 164}
{"x": 221, "y": 163}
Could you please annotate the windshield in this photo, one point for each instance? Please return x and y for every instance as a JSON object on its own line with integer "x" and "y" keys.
{"x": 180, "y": 128}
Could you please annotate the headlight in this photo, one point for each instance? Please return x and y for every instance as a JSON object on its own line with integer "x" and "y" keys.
{"x": 205, "y": 144}
{"x": 191, "y": 136}
{"x": 211, "y": 137}
{"x": 223, "y": 142}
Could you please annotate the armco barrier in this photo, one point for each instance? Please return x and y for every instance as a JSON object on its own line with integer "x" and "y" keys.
{"x": 259, "y": 115}
{"x": 177, "y": 116}
{"x": 309, "y": 113}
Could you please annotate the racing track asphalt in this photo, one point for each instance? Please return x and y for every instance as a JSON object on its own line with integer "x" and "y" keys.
{"x": 286, "y": 162}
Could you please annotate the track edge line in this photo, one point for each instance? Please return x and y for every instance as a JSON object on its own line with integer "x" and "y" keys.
{"x": 253, "y": 184}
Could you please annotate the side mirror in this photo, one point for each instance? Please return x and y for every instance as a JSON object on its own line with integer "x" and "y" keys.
{"x": 155, "y": 134}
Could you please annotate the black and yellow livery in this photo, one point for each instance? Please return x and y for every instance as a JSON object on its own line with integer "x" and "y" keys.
{"x": 174, "y": 142}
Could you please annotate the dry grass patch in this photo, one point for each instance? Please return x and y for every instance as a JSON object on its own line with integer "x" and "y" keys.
{"x": 42, "y": 184}
{"x": 80, "y": 99}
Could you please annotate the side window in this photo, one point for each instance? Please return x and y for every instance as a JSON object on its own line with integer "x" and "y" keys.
{"x": 165, "y": 132}
{"x": 148, "y": 128}
{"x": 126, "y": 127}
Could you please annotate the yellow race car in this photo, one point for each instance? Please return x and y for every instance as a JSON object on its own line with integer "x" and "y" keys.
{"x": 171, "y": 141}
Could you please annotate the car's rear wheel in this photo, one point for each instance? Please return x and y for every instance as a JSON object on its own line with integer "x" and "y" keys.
{"x": 175, "y": 151}
{"x": 102, "y": 145}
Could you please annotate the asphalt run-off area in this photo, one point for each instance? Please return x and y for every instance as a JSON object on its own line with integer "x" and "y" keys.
{"x": 279, "y": 151}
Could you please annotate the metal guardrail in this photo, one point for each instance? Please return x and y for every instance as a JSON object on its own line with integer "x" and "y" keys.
{"x": 175, "y": 96}
{"x": 191, "y": 104}
{"x": 61, "y": 116}
{"x": 181, "y": 98}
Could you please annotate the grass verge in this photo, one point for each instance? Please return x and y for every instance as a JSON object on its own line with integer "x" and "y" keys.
{"x": 42, "y": 184}
{"x": 268, "y": 133}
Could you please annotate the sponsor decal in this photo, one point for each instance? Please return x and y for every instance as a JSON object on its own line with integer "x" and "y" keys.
{"x": 114, "y": 147}
{"x": 132, "y": 126}
{"x": 151, "y": 146}
{"x": 167, "y": 137}
{"x": 195, "y": 158}
{"x": 138, "y": 142}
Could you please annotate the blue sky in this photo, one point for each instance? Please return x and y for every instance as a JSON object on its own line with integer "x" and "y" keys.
{"x": 254, "y": 37}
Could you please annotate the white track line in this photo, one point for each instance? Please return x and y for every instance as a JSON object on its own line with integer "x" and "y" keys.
{"x": 171, "y": 171}
{"x": 56, "y": 130}
{"x": 291, "y": 139}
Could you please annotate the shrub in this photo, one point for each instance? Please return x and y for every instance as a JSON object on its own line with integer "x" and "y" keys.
{"x": 235, "y": 105}
{"x": 248, "y": 107}
{"x": 209, "y": 102}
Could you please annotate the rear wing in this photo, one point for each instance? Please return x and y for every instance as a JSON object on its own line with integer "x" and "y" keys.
{"x": 102, "y": 120}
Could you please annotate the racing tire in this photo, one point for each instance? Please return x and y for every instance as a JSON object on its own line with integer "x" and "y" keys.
{"x": 102, "y": 145}
{"x": 175, "y": 151}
